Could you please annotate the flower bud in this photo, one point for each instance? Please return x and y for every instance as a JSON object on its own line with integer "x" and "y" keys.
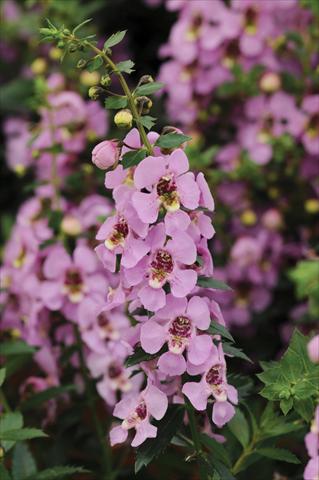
{"x": 89, "y": 79}
{"x": 105, "y": 80}
{"x": 123, "y": 119}
{"x": 144, "y": 104}
{"x": 94, "y": 92}
{"x": 55, "y": 53}
{"x": 312, "y": 205}
{"x": 248, "y": 218}
{"x": 270, "y": 82}
{"x": 39, "y": 66}
{"x": 71, "y": 225}
{"x": 272, "y": 219}
{"x": 145, "y": 79}
{"x": 105, "y": 154}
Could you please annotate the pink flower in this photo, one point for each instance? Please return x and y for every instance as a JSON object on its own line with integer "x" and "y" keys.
{"x": 169, "y": 183}
{"x": 166, "y": 263}
{"x": 105, "y": 154}
{"x": 176, "y": 324}
{"x": 68, "y": 281}
{"x": 213, "y": 383}
{"x": 136, "y": 411}
{"x": 119, "y": 235}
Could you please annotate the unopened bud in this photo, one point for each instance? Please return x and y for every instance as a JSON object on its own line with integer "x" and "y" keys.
{"x": 105, "y": 81}
{"x": 144, "y": 104}
{"x": 106, "y": 154}
{"x": 272, "y": 219}
{"x": 39, "y": 66}
{"x": 270, "y": 82}
{"x": 55, "y": 53}
{"x": 312, "y": 205}
{"x": 89, "y": 79}
{"x": 71, "y": 226}
{"x": 94, "y": 92}
{"x": 123, "y": 119}
{"x": 248, "y": 218}
{"x": 145, "y": 79}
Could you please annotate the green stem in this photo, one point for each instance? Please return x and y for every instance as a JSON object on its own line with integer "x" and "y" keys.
{"x": 128, "y": 94}
{"x": 54, "y": 177}
{"x": 195, "y": 434}
{"x": 245, "y": 453}
{"x": 105, "y": 448}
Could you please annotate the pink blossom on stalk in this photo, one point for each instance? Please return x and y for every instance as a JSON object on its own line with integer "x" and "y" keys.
{"x": 169, "y": 184}
{"x": 166, "y": 263}
{"x": 119, "y": 234}
{"x": 176, "y": 324}
{"x": 105, "y": 154}
{"x": 68, "y": 280}
{"x": 136, "y": 411}
{"x": 213, "y": 383}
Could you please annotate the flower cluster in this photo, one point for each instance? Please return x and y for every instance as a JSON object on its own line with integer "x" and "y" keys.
{"x": 157, "y": 241}
{"x": 230, "y": 74}
{"x": 210, "y": 38}
{"x": 47, "y": 279}
{"x": 66, "y": 124}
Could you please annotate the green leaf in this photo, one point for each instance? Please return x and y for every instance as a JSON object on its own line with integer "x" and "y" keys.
{"x": 15, "y": 362}
{"x": 222, "y": 470}
{"x": 16, "y": 347}
{"x": 57, "y": 472}
{"x": 148, "y": 88}
{"x": 294, "y": 376}
{"x": 114, "y": 103}
{"x": 167, "y": 428}
{"x": 21, "y": 434}
{"x": 81, "y": 25}
{"x": 172, "y": 140}
{"x": 23, "y": 463}
{"x": 4, "y": 474}
{"x": 286, "y": 405}
{"x": 218, "y": 329}
{"x": 94, "y": 64}
{"x": 235, "y": 352}
{"x": 240, "y": 428}
{"x": 37, "y": 399}
{"x": 218, "y": 450}
{"x": 305, "y": 408}
{"x": 10, "y": 421}
{"x": 207, "y": 282}
{"x": 2, "y": 376}
{"x": 126, "y": 66}
{"x": 114, "y": 39}
{"x": 131, "y": 159}
{"x": 274, "y": 425}
{"x": 278, "y": 454}
{"x": 140, "y": 356}
{"x": 147, "y": 121}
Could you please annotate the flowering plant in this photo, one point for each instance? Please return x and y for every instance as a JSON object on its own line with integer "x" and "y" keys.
{"x": 142, "y": 327}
